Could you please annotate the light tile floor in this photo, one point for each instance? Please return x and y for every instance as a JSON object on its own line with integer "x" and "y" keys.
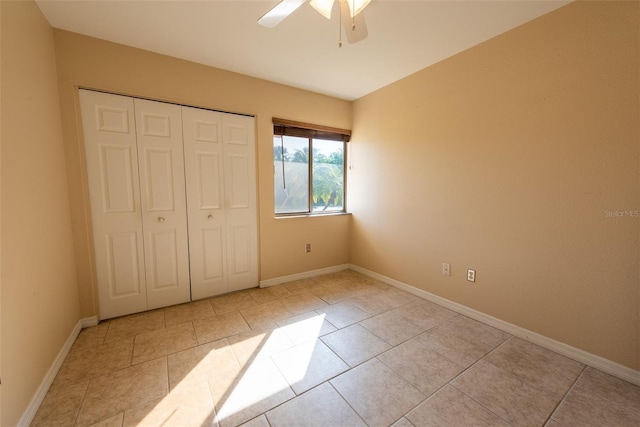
{"x": 335, "y": 350}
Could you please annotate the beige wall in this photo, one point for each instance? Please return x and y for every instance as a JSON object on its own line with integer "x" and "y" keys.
{"x": 39, "y": 289}
{"x": 88, "y": 62}
{"x": 504, "y": 158}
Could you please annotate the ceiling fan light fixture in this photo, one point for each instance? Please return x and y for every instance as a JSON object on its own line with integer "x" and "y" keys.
{"x": 323, "y": 7}
{"x": 357, "y": 6}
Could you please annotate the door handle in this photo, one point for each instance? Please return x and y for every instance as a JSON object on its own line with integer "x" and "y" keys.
{"x": 160, "y": 219}
{"x": 210, "y": 217}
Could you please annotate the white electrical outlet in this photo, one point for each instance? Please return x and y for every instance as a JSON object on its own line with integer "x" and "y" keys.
{"x": 471, "y": 275}
{"x": 308, "y": 247}
{"x": 446, "y": 269}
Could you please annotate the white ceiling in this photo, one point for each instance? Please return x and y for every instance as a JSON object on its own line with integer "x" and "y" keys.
{"x": 404, "y": 36}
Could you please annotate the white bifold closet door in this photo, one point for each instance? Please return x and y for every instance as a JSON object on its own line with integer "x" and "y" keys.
{"x": 172, "y": 191}
{"x": 136, "y": 183}
{"x": 221, "y": 199}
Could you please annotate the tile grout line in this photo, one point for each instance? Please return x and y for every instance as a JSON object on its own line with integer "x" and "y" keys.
{"x": 417, "y": 404}
{"x": 84, "y": 396}
{"x": 461, "y": 373}
{"x": 566, "y": 394}
{"x": 346, "y": 401}
{"x": 577, "y": 387}
{"x": 347, "y": 364}
{"x": 469, "y": 368}
{"x": 377, "y": 358}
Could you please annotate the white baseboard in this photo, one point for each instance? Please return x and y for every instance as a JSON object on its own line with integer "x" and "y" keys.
{"x": 305, "y": 275}
{"x": 41, "y": 393}
{"x": 88, "y": 322}
{"x": 589, "y": 359}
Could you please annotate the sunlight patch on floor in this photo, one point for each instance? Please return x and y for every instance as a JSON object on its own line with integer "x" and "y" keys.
{"x": 253, "y": 386}
{"x": 261, "y": 380}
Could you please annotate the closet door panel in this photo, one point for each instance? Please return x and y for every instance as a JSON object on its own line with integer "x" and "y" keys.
{"x": 212, "y": 240}
{"x": 112, "y": 168}
{"x": 117, "y": 180}
{"x": 240, "y": 261}
{"x": 159, "y": 179}
{"x": 238, "y": 174}
{"x": 122, "y": 263}
{"x": 202, "y": 134}
{"x": 164, "y": 275}
{"x": 208, "y": 180}
{"x": 164, "y": 219}
{"x": 238, "y": 133}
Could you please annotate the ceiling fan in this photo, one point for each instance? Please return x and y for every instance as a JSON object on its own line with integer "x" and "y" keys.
{"x": 350, "y": 12}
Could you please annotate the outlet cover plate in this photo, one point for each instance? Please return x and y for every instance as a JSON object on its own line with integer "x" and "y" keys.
{"x": 471, "y": 275}
{"x": 446, "y": 269}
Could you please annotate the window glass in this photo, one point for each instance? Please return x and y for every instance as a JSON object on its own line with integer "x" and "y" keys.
{"x": 328, "y": 175}
{"x": 291, "y": 178}
{"x": 294, "y": 171}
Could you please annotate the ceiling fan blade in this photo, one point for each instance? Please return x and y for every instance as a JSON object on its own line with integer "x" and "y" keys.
{"x": 356, "y": 27}
{"x": 279, "y": 12}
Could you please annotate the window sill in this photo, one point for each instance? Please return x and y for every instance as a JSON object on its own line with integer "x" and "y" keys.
{"x": 312, "y": 215}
